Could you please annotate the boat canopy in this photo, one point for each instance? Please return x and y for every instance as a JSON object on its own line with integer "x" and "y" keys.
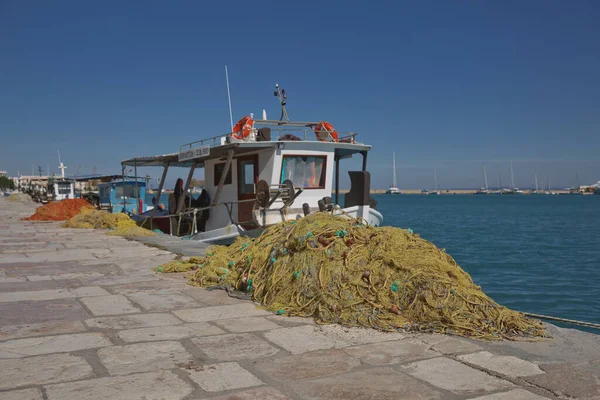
{"x": 219, "y": 146}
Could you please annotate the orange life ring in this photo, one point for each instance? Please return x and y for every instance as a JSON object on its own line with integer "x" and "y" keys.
{"x": 242, "y": 129}
{"x": 324, "y": 130}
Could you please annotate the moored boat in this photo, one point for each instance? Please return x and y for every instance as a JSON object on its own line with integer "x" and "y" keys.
{"x": 262, "y": 173}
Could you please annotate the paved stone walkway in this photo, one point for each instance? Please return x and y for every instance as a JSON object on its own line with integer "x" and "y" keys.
{"x": 82, "y": 316}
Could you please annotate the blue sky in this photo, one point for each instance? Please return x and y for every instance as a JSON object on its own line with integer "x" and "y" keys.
{"x": 451, "y": 85}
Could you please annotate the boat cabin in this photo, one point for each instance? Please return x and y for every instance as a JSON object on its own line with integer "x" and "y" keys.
{"x": 125, "y": 195}
{"x": 262, "y": 173}
{"x": 60, "y": 189}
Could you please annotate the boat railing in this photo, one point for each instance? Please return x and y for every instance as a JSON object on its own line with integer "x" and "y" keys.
{"x": 193, "y": 213}
{"x": 303, "y": 130}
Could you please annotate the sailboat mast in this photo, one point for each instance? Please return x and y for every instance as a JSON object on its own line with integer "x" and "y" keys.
{"x": 512, "y": 176}
{"x": 536, "y": 183}
{"x": 394, "y": 181}
{"x": 485, "y": 178}
{"x": 437, "y": 186}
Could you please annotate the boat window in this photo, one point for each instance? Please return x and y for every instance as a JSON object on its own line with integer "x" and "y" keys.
{"x": 219, "y": 168}
{"x": 126, "y": 191}
{"x": 64, "y": 188}
{"x": 246, "y": 181}
{"x": 104, "y": 191}
{"x": 304, "y": 171}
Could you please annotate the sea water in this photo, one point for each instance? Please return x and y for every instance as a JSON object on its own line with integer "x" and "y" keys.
{"x": 539, "y": 253}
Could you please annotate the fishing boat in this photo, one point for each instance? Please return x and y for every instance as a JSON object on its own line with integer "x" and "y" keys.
{"x": 123, "y": 195}
{"x": 393, "y": 189}
{"x": 261, "y": 173}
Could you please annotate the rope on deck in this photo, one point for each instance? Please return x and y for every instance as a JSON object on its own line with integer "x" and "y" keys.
{"x": 567, "y": 321}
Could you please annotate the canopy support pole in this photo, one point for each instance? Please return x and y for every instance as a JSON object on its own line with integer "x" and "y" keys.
{"x": 364, "y": 163}
{"x": 160, "y": 187}
{"x": 123, "y": 187}
{"x": 337, "y": 180}
{"x": 223, "y": 176}
{"x": 181, "y": 200}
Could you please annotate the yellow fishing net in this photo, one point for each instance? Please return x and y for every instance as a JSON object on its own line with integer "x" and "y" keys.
{"x": 119, "y": 223}
{"x": 338, "y": 270}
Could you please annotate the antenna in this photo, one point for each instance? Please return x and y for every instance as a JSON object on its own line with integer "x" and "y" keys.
{"x": 229, "y": 98}
{"x": 282, "y": 99}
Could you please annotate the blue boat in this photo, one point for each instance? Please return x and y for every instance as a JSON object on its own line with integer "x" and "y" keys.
{"x": 123, "y": 196}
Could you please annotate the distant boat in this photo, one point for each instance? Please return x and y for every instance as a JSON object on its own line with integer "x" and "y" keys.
{"x": 437, "y": 186}
{"x": 537, "y": 187}
{"x": 574, "y": 191}
{"x": 513, "y": 189}
{"x": 394, "y": 187}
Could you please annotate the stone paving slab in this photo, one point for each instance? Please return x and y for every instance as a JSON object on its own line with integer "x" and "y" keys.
{"x": 163, "y": 300}
{"x": 163, "y": 385}
{"x": 234, "y": 347}
{"x": 42, "y": 370}
{"x": 251, "y": 324}
{"x": 455, "y": 377}
{"x": 143, "y": 357}
{"x": 220, "y": 312}
{"x": 449, "y": 345}
{"x": 225, "y": 376}
{"x": 52, "y": 344}
{"x": 262, "y": 393}
{"x": 302, "y": 339}
{"x": 39, "y": 295}
{"x": 110, "y": 305}
{"x": 133, "y": 321}
{"x": 517, "y": 394}
{"x": 378, "y": 383}
{"x": 29, "y": 312}
{"x": 505, "y": 365}
{"x": 308, "y": 365}
{"x": 53, "y": 327}
{"x": 176, "y": 332}
{"x": 390, "y": 352}
{"x": 568, "y": 380}
{"x": 25, "y": 394}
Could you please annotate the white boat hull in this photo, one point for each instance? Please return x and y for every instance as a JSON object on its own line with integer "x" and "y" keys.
{"x": 228, "y": 234}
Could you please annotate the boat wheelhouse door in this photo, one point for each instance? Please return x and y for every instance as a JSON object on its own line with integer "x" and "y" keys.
{"x": 247, "y": 180}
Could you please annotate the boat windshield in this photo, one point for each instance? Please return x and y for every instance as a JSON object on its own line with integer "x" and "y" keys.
{"x": 304, "y": 171}
{"x": 64, "y": 188}
{"x": 128, "y": 191}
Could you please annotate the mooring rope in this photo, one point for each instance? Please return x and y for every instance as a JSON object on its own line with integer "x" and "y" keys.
{"x": 568, "y": 321}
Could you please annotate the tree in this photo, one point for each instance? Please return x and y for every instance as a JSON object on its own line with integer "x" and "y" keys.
{"x": 6, "y": 183}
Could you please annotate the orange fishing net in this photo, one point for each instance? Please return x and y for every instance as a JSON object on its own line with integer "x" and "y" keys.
{"x": 59, "y": 210}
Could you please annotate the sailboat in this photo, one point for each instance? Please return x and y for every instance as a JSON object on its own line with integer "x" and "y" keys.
{"x": 513, "y": 189}
{"x": 437, "y": 186}
{"x": 485, "y": 189}
{"x": 394, "y": 187}
{"x": 537, "y": 187}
